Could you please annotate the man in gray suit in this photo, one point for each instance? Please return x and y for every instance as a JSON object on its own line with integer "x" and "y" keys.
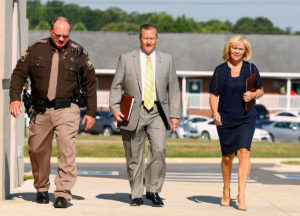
{"x": 150, "y": 77}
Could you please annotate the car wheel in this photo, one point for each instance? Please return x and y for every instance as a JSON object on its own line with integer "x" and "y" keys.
{"x": 205, "y": 135}
{"x": 272, "y": 137}
{"x": 174, "y": 135}
{"x": 107, "y": 131}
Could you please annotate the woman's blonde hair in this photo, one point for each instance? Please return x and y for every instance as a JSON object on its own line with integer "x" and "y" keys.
{"x": 235, "y": 40}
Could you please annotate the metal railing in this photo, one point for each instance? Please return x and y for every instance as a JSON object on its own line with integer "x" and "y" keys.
{"x": 201, "y": 101}
{"x": 102, "y": 99}
{"x": 270, "y": 101}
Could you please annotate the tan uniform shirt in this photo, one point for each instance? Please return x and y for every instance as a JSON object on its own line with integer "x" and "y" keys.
{"x": 36, "y": 63}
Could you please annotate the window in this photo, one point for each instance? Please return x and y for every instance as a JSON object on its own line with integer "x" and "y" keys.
{"x": 195, "y": 120}
{"x": 280, "y": 125}
{"x": 286, "y": 114}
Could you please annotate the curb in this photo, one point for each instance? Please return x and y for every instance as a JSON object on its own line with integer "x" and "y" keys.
{"x": 276, "y": 161}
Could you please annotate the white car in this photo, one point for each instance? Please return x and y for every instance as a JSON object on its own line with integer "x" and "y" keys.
{"x": 209, "y": 131}
{"x": 261, "y": 135}
{"x": 285, "y": 116}
{"x": 196, "y": 121}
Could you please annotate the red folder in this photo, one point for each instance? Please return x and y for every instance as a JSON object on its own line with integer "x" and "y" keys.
{"x": 250, "y": 86}
{"x": 126, "y": 106}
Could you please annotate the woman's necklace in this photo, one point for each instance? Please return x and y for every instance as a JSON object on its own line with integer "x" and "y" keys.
{"x": 235, "y": 69}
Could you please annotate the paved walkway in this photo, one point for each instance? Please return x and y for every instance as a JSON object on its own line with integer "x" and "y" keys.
{"x": 110, "y": 197}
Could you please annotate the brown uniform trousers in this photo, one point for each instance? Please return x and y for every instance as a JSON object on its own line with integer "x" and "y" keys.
{"x": 64, "y": 124}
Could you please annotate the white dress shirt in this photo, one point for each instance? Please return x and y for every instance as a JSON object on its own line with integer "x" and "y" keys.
{"x": 143, "y": 60}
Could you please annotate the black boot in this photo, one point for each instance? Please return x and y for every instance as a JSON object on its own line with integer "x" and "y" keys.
{"x": 42, "y": 197}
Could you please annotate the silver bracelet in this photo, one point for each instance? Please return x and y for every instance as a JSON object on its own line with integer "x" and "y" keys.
{"x": 256, "y": 96}
{"x": 215, "y": 114}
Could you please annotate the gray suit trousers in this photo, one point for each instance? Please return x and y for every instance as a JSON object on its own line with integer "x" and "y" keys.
{"x": 151, "y": 125}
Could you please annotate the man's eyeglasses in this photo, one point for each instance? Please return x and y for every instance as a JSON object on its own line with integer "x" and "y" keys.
{"x": 59, "y": 36}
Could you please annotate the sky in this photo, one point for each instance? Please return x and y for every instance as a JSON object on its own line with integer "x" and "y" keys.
{"x": 282, "y": 13}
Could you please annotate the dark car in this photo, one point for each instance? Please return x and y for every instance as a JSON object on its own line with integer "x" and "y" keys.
{"x": 104, "y": 124}
{"x": 262, "y": 112}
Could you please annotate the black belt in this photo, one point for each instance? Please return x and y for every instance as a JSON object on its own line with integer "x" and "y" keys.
{"x": 58, "y": 103}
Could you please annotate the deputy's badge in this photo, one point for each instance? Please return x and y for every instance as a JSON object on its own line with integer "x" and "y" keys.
{"x": 89, "y": 63}
{"x": 24, "y": 55}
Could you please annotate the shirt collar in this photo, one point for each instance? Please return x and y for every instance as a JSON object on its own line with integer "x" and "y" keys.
{"x": 152, "y": 54}
{"x": 52, "y": 46}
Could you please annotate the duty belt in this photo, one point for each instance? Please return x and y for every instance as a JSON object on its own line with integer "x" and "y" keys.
{"x": 58, "y": 103}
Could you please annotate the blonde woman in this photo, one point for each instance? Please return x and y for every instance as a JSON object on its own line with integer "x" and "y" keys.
{"x": 227, "y": 101}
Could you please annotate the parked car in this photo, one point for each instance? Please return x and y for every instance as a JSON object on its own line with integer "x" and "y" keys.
{"x": 209, "y": 131}
{"x": 184, "y": 130}
{"x": 284, "y": 131}
{"x": 261, "y": 123}
{"x": 261, "y": 135}
{"x": 196, "y": 120}
{"x": 285, "y": 116}
{"x": 262, "y": 112}
{"x": 104, "y": 123}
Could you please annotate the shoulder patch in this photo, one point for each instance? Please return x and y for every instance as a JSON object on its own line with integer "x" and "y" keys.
{"x": 24, "y": 55}
{"x": 89, "y": 63}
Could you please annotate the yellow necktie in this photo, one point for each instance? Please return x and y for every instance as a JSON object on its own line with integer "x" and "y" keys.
{"x": 149, "y": 85}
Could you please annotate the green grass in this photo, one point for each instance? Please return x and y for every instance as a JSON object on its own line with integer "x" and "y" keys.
{"x": 291, "y": 162}
{"x": 26, "y": 177}
{"x": 101, "y": 146}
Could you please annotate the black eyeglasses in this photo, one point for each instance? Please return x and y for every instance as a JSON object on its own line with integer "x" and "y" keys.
{"x": 59, "y": 36}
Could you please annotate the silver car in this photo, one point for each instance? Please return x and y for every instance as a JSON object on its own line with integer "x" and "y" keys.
{"x": 284, "y": 131}
{"x": 184, "y": 130}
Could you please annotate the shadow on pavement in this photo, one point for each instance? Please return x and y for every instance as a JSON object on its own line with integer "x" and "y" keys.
{"x": 32, "y": 196}
{"x": 121, "y": 197}
{"x": 210, "y": 199}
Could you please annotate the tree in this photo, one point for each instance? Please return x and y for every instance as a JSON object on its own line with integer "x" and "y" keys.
{"x": 79, "y": 26}
{"x": 93, "y": 19}
{"x": 260, "y": 25}
{"x": 140, "y": 19}
{"x": 163, "y": 22}
{"x": 215, "y": 26}
{"x": 182, "y": 24}
{"x": 73, "y": 13}
{"x": 53, "y": 9}
{"x": 43, "y": 25}
{"x": 115, "y": 19}
{"x": 245, "y": 25}
{"x": 121, "y": 27}
{"x": 35, "y": 13}
{"x": 116, "y": 14}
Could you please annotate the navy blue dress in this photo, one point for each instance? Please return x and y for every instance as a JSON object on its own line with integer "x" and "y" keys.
{"x": 237, "y": 125}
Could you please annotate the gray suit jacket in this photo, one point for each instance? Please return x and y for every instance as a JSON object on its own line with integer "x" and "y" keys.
{"x": 127, "y": 80}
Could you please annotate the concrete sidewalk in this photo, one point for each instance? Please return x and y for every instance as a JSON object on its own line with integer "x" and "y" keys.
{"x": 104, "y": 196}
